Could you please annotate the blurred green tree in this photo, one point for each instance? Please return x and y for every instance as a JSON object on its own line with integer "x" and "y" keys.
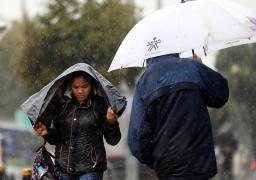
{"x": 238, "y": 65}
{"x": 73, "y": 31}
{"x": 11, "y": 91}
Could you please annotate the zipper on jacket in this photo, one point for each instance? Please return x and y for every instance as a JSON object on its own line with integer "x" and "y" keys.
{"x": 70, "y": 138}
{"x": 94, "y": 156}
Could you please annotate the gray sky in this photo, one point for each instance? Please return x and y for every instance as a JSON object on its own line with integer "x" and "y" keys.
{"x": 11, "y": 9}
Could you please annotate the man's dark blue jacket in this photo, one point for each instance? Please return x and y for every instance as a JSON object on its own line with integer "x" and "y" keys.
{"x": 170, "y": 128}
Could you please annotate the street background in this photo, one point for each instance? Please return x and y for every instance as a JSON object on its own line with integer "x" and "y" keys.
{"x": 32, "y": 49}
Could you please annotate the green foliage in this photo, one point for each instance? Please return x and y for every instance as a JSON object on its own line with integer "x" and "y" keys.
{"x": 11, "y": 91}
{"x": 238, "y": 65}
{"x": 74, "y": 31}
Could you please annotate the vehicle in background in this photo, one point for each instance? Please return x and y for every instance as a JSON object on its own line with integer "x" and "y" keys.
{"x": 18, "y": 146}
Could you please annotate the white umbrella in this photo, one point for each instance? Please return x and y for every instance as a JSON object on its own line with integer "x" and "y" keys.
{"x": 202, "y": 25}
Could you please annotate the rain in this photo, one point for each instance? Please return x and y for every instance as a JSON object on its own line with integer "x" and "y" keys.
{"x": 40, "y": 39}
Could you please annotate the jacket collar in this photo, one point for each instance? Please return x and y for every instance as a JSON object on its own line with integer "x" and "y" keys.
{"x": 161, "y": 58}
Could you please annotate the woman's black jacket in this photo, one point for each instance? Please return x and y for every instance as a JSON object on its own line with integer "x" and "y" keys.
{"x": 78, "y": 135}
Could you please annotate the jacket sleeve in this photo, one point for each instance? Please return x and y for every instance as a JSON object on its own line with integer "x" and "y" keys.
{"x": 111, "y": 133}
{"x": 139, "y": 133}
{"x": 51, "y": 137}
{"x": 215, "y": 87}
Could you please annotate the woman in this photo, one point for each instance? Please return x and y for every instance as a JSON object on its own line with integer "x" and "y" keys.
{"x": 82, "y": 119}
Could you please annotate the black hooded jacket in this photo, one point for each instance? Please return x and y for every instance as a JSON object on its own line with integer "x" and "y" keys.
{"x": 78, "y": 135}
{"x": 77, "y": 130}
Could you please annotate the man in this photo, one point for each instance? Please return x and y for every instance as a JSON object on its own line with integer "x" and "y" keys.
{"x": 170, "y": 128}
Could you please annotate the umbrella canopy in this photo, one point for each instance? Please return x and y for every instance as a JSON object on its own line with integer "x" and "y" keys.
{"x": 37, "y": 105}
{"x": 202, "y": 25}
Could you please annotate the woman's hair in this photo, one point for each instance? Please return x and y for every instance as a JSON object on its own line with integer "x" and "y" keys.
{"x": 82, "y": 74}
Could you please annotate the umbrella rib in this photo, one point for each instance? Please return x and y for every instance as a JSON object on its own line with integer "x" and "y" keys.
{"x": 204, "y": 51}
{"x": 143, "y": 65}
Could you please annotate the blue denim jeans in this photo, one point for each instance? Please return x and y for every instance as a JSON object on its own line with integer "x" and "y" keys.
{"x": 87, "y": 176}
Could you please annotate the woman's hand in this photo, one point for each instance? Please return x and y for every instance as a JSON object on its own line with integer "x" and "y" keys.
{"x": 111, "y": 116}
{"x": 40, "y": 129}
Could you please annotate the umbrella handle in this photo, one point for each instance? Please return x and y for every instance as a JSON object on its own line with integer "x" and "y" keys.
{"x": 193, "y": 52}
{"x": 204, "y": 51}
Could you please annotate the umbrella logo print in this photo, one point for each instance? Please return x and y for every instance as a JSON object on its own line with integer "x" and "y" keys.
{"x": 153, "y": 44}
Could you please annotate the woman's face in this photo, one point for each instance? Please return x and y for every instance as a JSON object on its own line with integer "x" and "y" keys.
{"x": 81, "y": 88}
